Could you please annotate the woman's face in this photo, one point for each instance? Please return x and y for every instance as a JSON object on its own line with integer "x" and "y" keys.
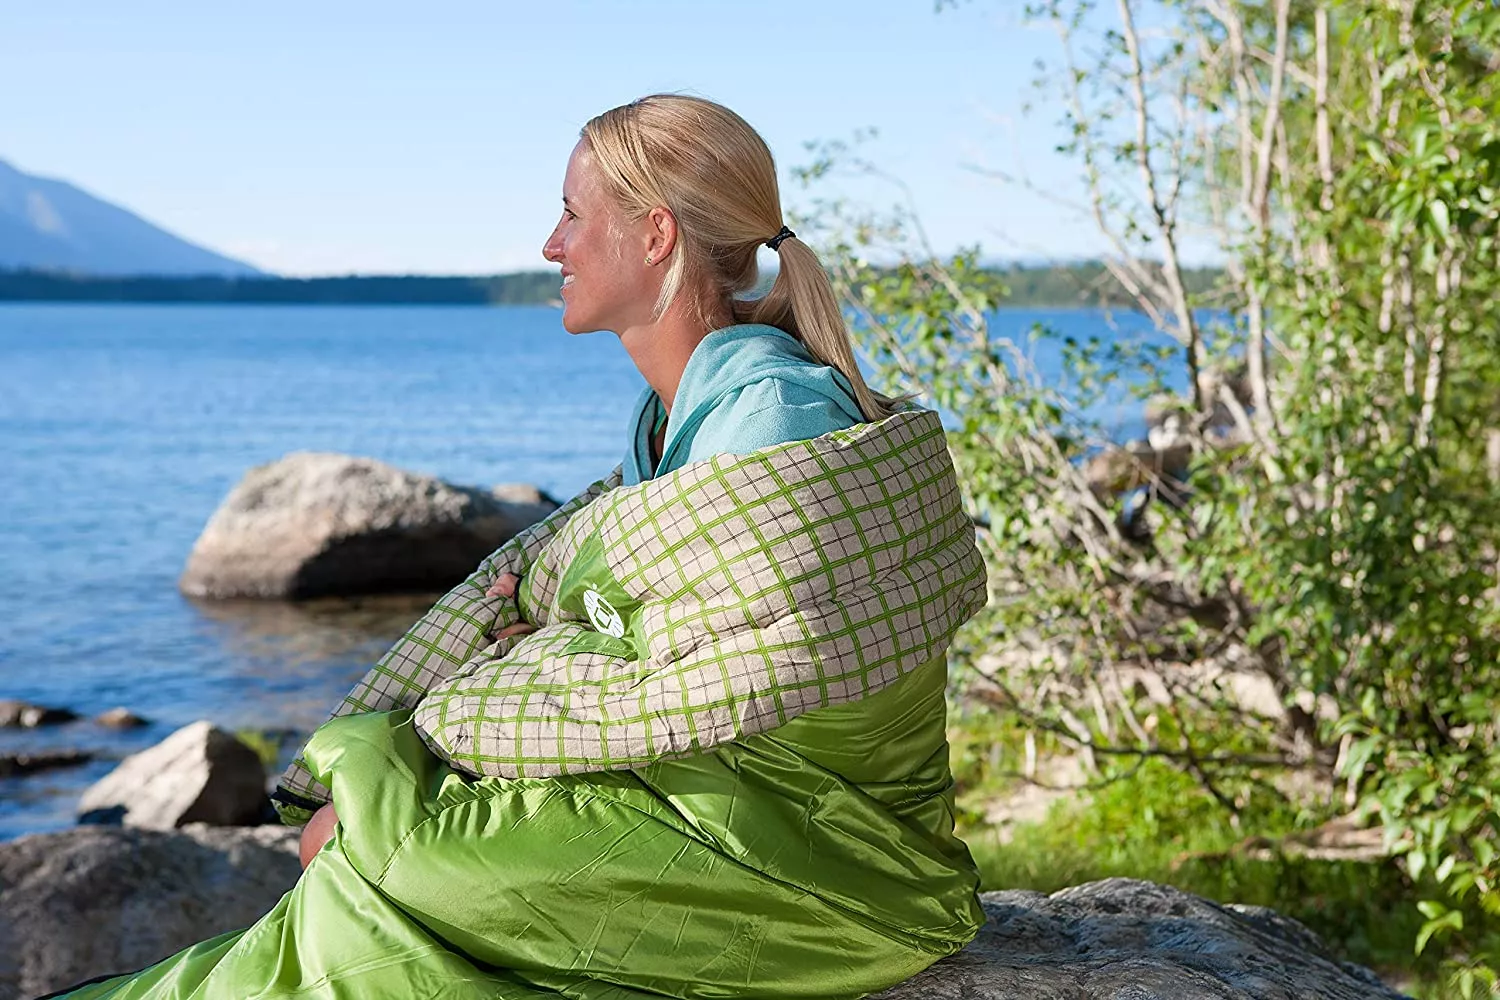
{"x": 606, "y": 282}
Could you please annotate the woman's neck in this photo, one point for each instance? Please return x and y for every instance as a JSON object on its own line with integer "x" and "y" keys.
{"x": 661, "y": 348}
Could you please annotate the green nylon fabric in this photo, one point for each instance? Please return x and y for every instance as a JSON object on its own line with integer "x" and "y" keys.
{"x": 815, "y": 860}
{"x": 589, "y": 570}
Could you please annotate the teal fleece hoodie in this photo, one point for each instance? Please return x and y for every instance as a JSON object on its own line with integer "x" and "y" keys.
{"x": 745, "y": 387}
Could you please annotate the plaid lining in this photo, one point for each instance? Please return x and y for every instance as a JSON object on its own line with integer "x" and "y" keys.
{"x": 797, "y": 577}
{"x": 770, "y": 584}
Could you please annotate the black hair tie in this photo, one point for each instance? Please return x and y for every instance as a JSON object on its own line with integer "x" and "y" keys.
{"x": 775, "y": 241}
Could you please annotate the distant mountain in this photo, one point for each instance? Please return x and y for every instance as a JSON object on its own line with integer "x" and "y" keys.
{"x": 49, "y": 225}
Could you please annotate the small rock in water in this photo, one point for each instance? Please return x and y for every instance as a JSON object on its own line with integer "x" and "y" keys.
{"x": 27, "y": 716}
{"x": 14, "y": 765}
{"x": 120, "y": 718}
{"x": 199, "y": 774}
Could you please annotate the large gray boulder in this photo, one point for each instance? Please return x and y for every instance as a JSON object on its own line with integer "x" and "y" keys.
{"x": 1121, "y": 938}
{"x": 316, "y": 524}
{"x": 199, "y": 774}
{"x": 94, "y": 901}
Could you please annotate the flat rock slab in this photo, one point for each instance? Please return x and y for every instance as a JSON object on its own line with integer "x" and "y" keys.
{"x": 94, "y": 901}
{"x": 317, "y": 525}
{"x": 1121, "y": 939}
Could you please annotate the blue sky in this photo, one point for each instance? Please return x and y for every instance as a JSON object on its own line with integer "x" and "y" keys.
{"x": 376, "y": 137}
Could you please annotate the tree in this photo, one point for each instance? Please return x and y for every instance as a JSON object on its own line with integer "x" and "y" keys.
{"x": 1325, "y": 517}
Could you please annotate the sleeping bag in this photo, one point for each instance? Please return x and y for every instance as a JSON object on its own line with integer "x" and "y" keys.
{"x": 717, "y": 768}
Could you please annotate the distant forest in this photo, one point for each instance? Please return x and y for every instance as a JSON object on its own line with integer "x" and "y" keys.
{"x": 528, "y": 287}
{"x": 1085, "y": 283}
{"x": 1080, "y": 284}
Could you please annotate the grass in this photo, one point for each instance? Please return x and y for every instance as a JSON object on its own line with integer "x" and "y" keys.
{"x": 1160, "y": 826}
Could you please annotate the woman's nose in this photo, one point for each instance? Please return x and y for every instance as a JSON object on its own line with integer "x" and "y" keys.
{"x": 552, "y": 249}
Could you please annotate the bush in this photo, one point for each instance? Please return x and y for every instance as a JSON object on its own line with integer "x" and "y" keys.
{"x": 1324, "y": 516}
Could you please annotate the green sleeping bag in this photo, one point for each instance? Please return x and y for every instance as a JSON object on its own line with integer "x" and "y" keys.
{"x": 718, "y": 768}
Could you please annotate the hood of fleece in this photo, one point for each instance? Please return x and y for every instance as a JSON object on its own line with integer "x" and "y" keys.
{"x": 737, "y": 356}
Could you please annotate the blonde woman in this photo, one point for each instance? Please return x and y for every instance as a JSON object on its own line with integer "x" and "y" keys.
{"x": 685, "y": 737}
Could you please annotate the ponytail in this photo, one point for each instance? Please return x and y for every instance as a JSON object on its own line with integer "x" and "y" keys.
{"x": 801, "y": 302}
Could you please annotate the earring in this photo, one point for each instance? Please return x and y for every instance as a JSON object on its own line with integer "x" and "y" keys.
{"x": 650, "y": 261}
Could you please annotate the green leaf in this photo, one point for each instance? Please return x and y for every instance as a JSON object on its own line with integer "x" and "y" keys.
{"x": 1439, "y": 211}
{"x": 1450, "y": 921}
{"x": 1431, "y": 909}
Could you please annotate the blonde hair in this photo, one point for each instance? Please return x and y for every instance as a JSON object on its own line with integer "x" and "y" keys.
{"x": 714, "y": 173}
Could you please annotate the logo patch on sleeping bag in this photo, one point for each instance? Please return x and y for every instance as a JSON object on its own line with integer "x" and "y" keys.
{"x": 588, "y": 589}
{"x": 603, "y": 614}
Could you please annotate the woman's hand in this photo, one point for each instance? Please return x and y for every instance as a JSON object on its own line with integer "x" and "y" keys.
{"x": 505, "y": 586}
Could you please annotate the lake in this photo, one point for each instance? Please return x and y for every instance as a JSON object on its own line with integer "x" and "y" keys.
{"x": 122, "y": 427}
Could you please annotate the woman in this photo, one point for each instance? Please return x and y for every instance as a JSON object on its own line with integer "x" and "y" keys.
{"x": 686, "y": 736}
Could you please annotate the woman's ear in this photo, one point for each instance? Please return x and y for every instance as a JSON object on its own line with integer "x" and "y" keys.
{"x": 661, "y": 235}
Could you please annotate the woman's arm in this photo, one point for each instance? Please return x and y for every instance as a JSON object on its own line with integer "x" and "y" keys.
{"x": 463, "y": 621}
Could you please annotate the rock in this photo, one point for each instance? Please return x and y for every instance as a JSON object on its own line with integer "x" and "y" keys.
{"x": 316, "y": 524}
{"x": 92, "y": 901}
{"x": 1122, "y": 938}
{"x": 1167, "y": 406}
{"x": 1119, "y": 469}
{"x": 1055, "y": 778}
{"x": 1161, "y": 410}
{"x": 119, "y": 718}
{"x": 27, "y": 716}
{"x": 143, "y": 895}
{"x": 199, "y": 774}
{"x": 526, "y": 493}
{"x": 13, "y": 765}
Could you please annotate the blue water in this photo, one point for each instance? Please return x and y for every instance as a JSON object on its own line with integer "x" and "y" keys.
{"x": 122, "y": 428}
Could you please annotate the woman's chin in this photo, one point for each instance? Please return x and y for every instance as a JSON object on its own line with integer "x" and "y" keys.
{"x": 574, "y": 321}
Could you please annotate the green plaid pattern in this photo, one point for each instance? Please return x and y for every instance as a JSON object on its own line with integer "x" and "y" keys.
{"x": 797, "y": 577}
{"x": 449, "y": 635}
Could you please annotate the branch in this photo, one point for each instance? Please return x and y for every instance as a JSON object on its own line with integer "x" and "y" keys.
{"x": 1320, "y": 102}
{"x": 1003, "y": 697}
{"x": 1292, "y": 69}
{"x": 1141, "y": 276}
{"x": 1436, "y": 345}
{"x": 1171, "y": 270}
{"x": 1261, "y": 193}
